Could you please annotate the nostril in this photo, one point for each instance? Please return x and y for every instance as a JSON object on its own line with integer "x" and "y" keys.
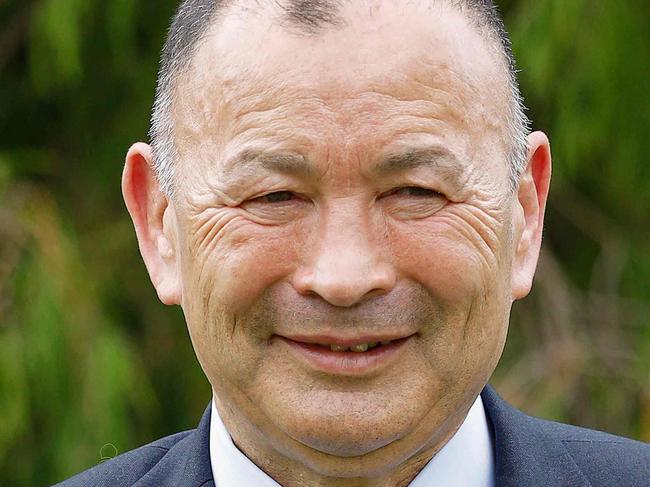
{"x": 303, "y": 282}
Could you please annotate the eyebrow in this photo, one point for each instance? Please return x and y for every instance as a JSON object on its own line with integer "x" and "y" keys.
{"x": 250, "y": 160}
{"x": 433, "y": 157}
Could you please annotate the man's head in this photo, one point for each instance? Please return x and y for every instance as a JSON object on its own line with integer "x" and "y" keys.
{"x": 337, "y": 176}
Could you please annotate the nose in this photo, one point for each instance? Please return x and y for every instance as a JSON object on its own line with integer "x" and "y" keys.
{"x": 347, "y": 266}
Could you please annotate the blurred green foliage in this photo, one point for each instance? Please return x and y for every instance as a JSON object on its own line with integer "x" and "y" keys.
{"x": 91, "y": 363}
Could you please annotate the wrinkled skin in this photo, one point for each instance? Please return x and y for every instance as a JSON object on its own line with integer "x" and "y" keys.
{"x": 323, "y": 241}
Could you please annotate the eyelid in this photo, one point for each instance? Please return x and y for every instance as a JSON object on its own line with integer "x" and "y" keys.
{"x": 434, "y": 192}
{"x": 295, "y": 198}
{"x": 271, "y": 193}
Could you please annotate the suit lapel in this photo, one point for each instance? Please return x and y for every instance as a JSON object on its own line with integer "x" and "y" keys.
{"x": 524, "y": 453}
{"x": 187, "y": 463}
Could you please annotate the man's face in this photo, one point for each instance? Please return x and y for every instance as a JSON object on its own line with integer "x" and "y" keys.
{"x": 338, "y": 189}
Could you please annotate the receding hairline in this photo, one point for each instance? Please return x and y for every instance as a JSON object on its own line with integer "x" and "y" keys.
{"x": 196, "y": 18}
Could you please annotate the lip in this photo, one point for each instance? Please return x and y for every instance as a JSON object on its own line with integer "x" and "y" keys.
{"x": 306, "y": 350}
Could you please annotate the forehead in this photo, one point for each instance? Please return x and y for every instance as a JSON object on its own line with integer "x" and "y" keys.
{"x": 382, "y": 62}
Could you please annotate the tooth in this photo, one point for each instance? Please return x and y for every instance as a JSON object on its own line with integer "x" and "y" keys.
{"x": 385, "y": 342}
{"x": 338, "y": 348}
{"x": 372, "y": 344}
{"x": 362, "y": 347}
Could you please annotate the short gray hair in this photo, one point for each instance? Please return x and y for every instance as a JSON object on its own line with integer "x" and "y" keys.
{"x": 194, "y": 17}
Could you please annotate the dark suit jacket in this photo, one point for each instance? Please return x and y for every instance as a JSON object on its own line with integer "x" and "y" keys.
{"x": 529, "y": 452}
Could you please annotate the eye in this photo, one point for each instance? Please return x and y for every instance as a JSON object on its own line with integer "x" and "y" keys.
{"x": 413, "y": 202}
{"x": 278, "y": 206}
{"x": 416, "y": 191}
{"x": 276, "y": 197}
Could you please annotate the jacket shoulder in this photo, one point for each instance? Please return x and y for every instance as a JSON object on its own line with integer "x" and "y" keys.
{"x": 603, "y": 458}
{"x": 535, "y": 451}
{"x": 127, "y": 468}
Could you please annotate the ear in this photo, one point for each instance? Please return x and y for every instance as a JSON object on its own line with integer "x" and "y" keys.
{"x": 529, "y": 213}
{"x": 154, "y": 220}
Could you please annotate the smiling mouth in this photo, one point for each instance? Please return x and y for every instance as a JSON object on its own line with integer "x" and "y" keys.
{"x": 346, "y": 356}
{"x": 357, "y": 348}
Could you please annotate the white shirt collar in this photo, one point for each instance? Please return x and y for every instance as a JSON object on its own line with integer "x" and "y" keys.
{"x": 467, "y": 459}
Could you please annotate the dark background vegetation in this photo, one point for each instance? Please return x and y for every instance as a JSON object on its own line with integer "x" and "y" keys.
{"x": 91, "y": 363}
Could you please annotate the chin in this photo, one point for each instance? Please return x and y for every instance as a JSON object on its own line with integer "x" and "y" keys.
{"x": 348, "y": 424}
{"x": 356, "y": 451}
{"x": 346, "y": 442}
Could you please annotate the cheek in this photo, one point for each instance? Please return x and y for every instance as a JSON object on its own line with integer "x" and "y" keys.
{"x": 436, "y": 256}
{"x": 459, "y": 253}
{"x": 466, "y": 279}
{"x": 221, "y": 281}
{"x": 243, "y": 260}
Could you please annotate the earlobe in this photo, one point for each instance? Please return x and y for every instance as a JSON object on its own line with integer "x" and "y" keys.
{"x": 148, "y": 207}
{"x": 528, "y": 213}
